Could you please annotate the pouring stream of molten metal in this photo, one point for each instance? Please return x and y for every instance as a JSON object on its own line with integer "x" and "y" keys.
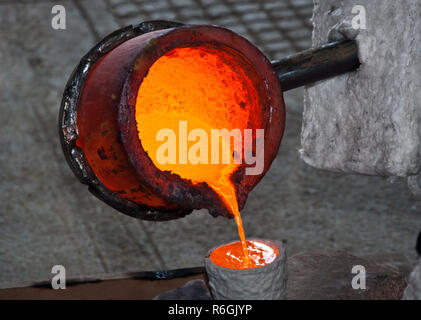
{"x": 196, "y": 88}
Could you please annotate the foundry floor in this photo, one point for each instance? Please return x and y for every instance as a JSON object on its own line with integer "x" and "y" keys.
{"x": 48, "y": 218}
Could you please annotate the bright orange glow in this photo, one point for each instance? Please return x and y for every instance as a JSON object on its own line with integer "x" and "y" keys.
{"x": 230, "y": 256}
{"x": 209, "y": 88}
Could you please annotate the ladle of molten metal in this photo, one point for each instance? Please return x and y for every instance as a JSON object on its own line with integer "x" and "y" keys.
{"x": 163, "y": 118}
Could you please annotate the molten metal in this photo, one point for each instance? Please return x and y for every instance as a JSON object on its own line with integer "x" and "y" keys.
{"x": 207, "y": 88}
{"x": 206, "y": 76}
{"x": 232, "y": 255}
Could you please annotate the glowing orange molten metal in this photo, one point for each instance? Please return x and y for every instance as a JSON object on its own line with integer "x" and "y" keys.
{"x": 230, "y": 255}
{"x": 193, "y": 88}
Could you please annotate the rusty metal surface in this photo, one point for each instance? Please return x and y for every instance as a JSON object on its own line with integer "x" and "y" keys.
{"x": 278, "y": 28}
{"x": 68, "y": 130}
{"x": 78, "y": 158}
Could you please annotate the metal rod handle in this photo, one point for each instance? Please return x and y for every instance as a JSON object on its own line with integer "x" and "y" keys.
{"x": 316, "y": 64}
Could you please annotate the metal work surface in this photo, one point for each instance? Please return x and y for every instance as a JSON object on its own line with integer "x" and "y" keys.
{"x": 47, "y": 217}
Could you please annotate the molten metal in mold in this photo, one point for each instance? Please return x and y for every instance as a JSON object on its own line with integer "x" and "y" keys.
{"x": 231, "y": 255}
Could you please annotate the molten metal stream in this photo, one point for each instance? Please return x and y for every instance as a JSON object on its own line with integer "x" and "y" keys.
{"x": 228, "y": 194}
{"x": 193, "y": 88}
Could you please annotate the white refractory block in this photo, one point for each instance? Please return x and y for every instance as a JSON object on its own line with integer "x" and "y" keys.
{"x": 368, "y": 121}
{"x": 413, "y": 291}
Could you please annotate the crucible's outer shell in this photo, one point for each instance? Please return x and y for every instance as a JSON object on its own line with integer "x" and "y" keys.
{"x": 117, "y": 184}
{"x": 263, "y": 283}
{"x": 98, "y": 130}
